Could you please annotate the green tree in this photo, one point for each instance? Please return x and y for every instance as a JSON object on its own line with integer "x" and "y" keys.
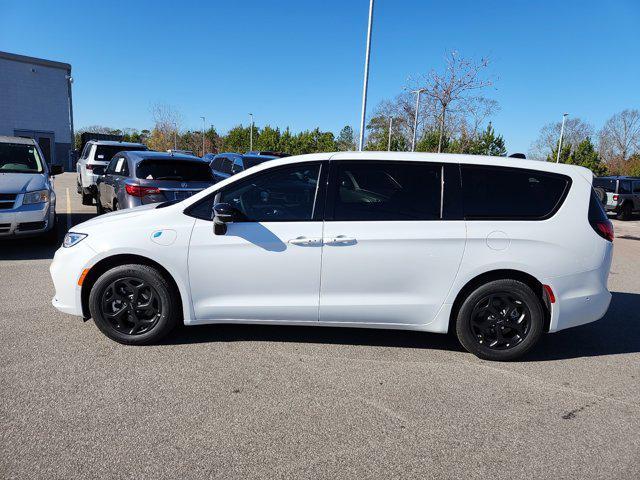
{"x": 584, "y": 155}
{"x": 346, "y": 139}
{"x": 285, "y": 144}
{"x": 429, "y": 142}
{"x": 269, "y": 139}
{"x": 237, "y": 139}
{"x": 488, "y": 143}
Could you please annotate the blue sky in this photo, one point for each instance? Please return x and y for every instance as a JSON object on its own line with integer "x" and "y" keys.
{"x": 300, "y": 63}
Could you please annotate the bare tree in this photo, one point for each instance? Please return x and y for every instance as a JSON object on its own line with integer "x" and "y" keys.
{"x": 167, "y": 121}
{"x": 619, "y": 138}
{"x": 450, "y": 92}
{"x": 575, "y": 131}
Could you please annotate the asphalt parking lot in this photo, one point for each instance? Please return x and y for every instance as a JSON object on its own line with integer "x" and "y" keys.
{"x": 295, "y": 402}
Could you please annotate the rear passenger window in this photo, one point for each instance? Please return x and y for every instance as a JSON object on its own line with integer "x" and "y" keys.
{"x": 371, "y": 191}
{"x": 510, "y": 193}
{"x": 625, "y": 187}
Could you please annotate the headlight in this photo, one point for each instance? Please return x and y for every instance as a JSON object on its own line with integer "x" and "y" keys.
{"x": 39, "y": 196}
{"x": 71, "y": 238}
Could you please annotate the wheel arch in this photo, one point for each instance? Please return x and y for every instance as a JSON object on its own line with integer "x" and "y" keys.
{"x": 501, "y": 274}
{"x": 112, "y": 261}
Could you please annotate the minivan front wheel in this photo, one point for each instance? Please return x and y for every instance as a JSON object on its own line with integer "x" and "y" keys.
{"x": 134, "y": 305}
{"x": 500, "y": 320}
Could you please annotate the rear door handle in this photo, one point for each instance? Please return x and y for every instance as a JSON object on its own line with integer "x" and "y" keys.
{"x": 305, "y": 241}
{"x": 340, "y": 240}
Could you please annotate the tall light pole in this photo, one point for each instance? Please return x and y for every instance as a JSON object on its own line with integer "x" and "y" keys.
{"x": 251, "y": 133}
{"x": 175, "y": 136}
{"x": 564, "y": 117}
{"x": 202, "y": 136}
{"x": 415, "y": 118}
{"x": 390, "y": 126}
{"x": 366, "y": 77}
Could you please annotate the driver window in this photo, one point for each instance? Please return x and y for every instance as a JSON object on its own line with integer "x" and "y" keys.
{"x": 284, "y": 195}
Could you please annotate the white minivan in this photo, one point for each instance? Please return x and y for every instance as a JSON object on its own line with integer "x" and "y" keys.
{"x": 497, "y": 250}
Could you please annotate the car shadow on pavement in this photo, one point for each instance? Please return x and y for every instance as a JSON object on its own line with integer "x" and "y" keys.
{"x": 39, "y": 248}
{"x": 617, "y": 333}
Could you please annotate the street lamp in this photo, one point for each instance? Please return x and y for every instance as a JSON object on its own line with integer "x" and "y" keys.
{"x": 175, "y": 136}
{"x": 390, "y": 126}
{"x": 202, "y": 136}
{"x": 564, "y": 117}
{"x": 366, "y": 77}
{"x": 415, "y": 118}
{"x": 251, "y": 133}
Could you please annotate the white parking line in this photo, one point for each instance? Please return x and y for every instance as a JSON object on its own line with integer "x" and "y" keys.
{"x": 68, "y": 210}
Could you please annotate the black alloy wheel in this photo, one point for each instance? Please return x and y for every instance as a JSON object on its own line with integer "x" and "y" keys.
{"x": 134, "y": 304}
{"x": 500, "y": 320}
{"x": 131, "y": 305}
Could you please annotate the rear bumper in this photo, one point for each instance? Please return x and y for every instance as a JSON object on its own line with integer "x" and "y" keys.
{"x": 580, "y": 298}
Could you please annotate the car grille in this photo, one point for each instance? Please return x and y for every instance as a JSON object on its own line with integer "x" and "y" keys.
{"x": 5, "y": 227}
{"x": 27, "y": 226}
{"x": 7, "y": 200}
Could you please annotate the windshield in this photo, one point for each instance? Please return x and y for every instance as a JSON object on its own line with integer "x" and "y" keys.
{"x": 19, "y": 158}
{"x": 608, "y": 184}
{"x": 253, "y": 161}
{"x": 104, "y": 153}
{"x": 180, "y": 170}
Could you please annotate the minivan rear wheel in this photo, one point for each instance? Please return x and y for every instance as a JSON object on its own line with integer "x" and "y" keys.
{"x": 134, "y": 305}
{"x": 500, "y": 320}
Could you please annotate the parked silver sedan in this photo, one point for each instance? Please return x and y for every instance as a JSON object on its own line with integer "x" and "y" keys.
{"x": 138, "y": 178}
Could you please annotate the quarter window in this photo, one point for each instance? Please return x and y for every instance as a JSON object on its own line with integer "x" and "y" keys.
{"x": 511, "y": 194}
{"x": 370, "y": 191}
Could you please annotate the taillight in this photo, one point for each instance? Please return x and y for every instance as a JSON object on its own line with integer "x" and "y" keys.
{"x": 604, "y": 229}
{"x": 88, "y": 166}
{"x": 615, "y": 198}
{"x": 140, "y": 191}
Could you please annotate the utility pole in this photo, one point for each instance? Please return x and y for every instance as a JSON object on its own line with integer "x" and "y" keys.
{"x": 564, "y": 117}
{"x": 415, "y": 118}
{"x": 175, "y": 136}
{"x": 251, "y": 133}
{"x": 202, "y": 136}
{"x": 366, "y": 77}
{"x": 390, "y": 126}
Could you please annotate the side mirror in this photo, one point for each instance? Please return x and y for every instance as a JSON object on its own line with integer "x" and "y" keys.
{"x": 55, "y": 170}
{"x": 223, "y": 213}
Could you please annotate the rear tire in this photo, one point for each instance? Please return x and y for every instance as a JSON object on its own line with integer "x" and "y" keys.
{"x": 87, "y": 198}
{"x": 626, "y": 212}
{"x": 134, "y": 305}
{"x": 500, "y": 320}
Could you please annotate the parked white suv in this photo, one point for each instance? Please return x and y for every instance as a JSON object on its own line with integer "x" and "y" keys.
{"x": 498, "y": 250}
{"x": 95, "y": 156}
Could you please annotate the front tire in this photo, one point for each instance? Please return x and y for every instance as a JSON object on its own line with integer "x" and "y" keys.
{"x": 134, "y": 305}
{"x": 500, "y": 320}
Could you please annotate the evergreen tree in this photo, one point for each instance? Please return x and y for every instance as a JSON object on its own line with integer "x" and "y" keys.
{"x": 584, "y": 155}
{"x": 346, "y": 139}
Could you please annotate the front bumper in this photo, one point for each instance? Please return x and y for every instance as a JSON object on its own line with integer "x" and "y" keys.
{"x": 27, "y": 220}
{"x": 66, "y": 269}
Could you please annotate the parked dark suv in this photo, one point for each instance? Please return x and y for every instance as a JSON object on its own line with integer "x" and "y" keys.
{"x": 224, "y": 165}
{"x": 619, "y": 195}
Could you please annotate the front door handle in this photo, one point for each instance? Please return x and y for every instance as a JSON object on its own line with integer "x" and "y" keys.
{"x": 340, "y": 240}
{"x": 305, "y": 241}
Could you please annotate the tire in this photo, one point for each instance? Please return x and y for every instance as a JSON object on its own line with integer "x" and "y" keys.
{"x": 115, "y": 206}
{"x": 78, "y": 187}
{"x": 87, "y": 198}
{"x": 626, "y": 211}
{"x": 99, "y": 208}
{"x": 113, "y": 295}
{"x": 488, "y": 307}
